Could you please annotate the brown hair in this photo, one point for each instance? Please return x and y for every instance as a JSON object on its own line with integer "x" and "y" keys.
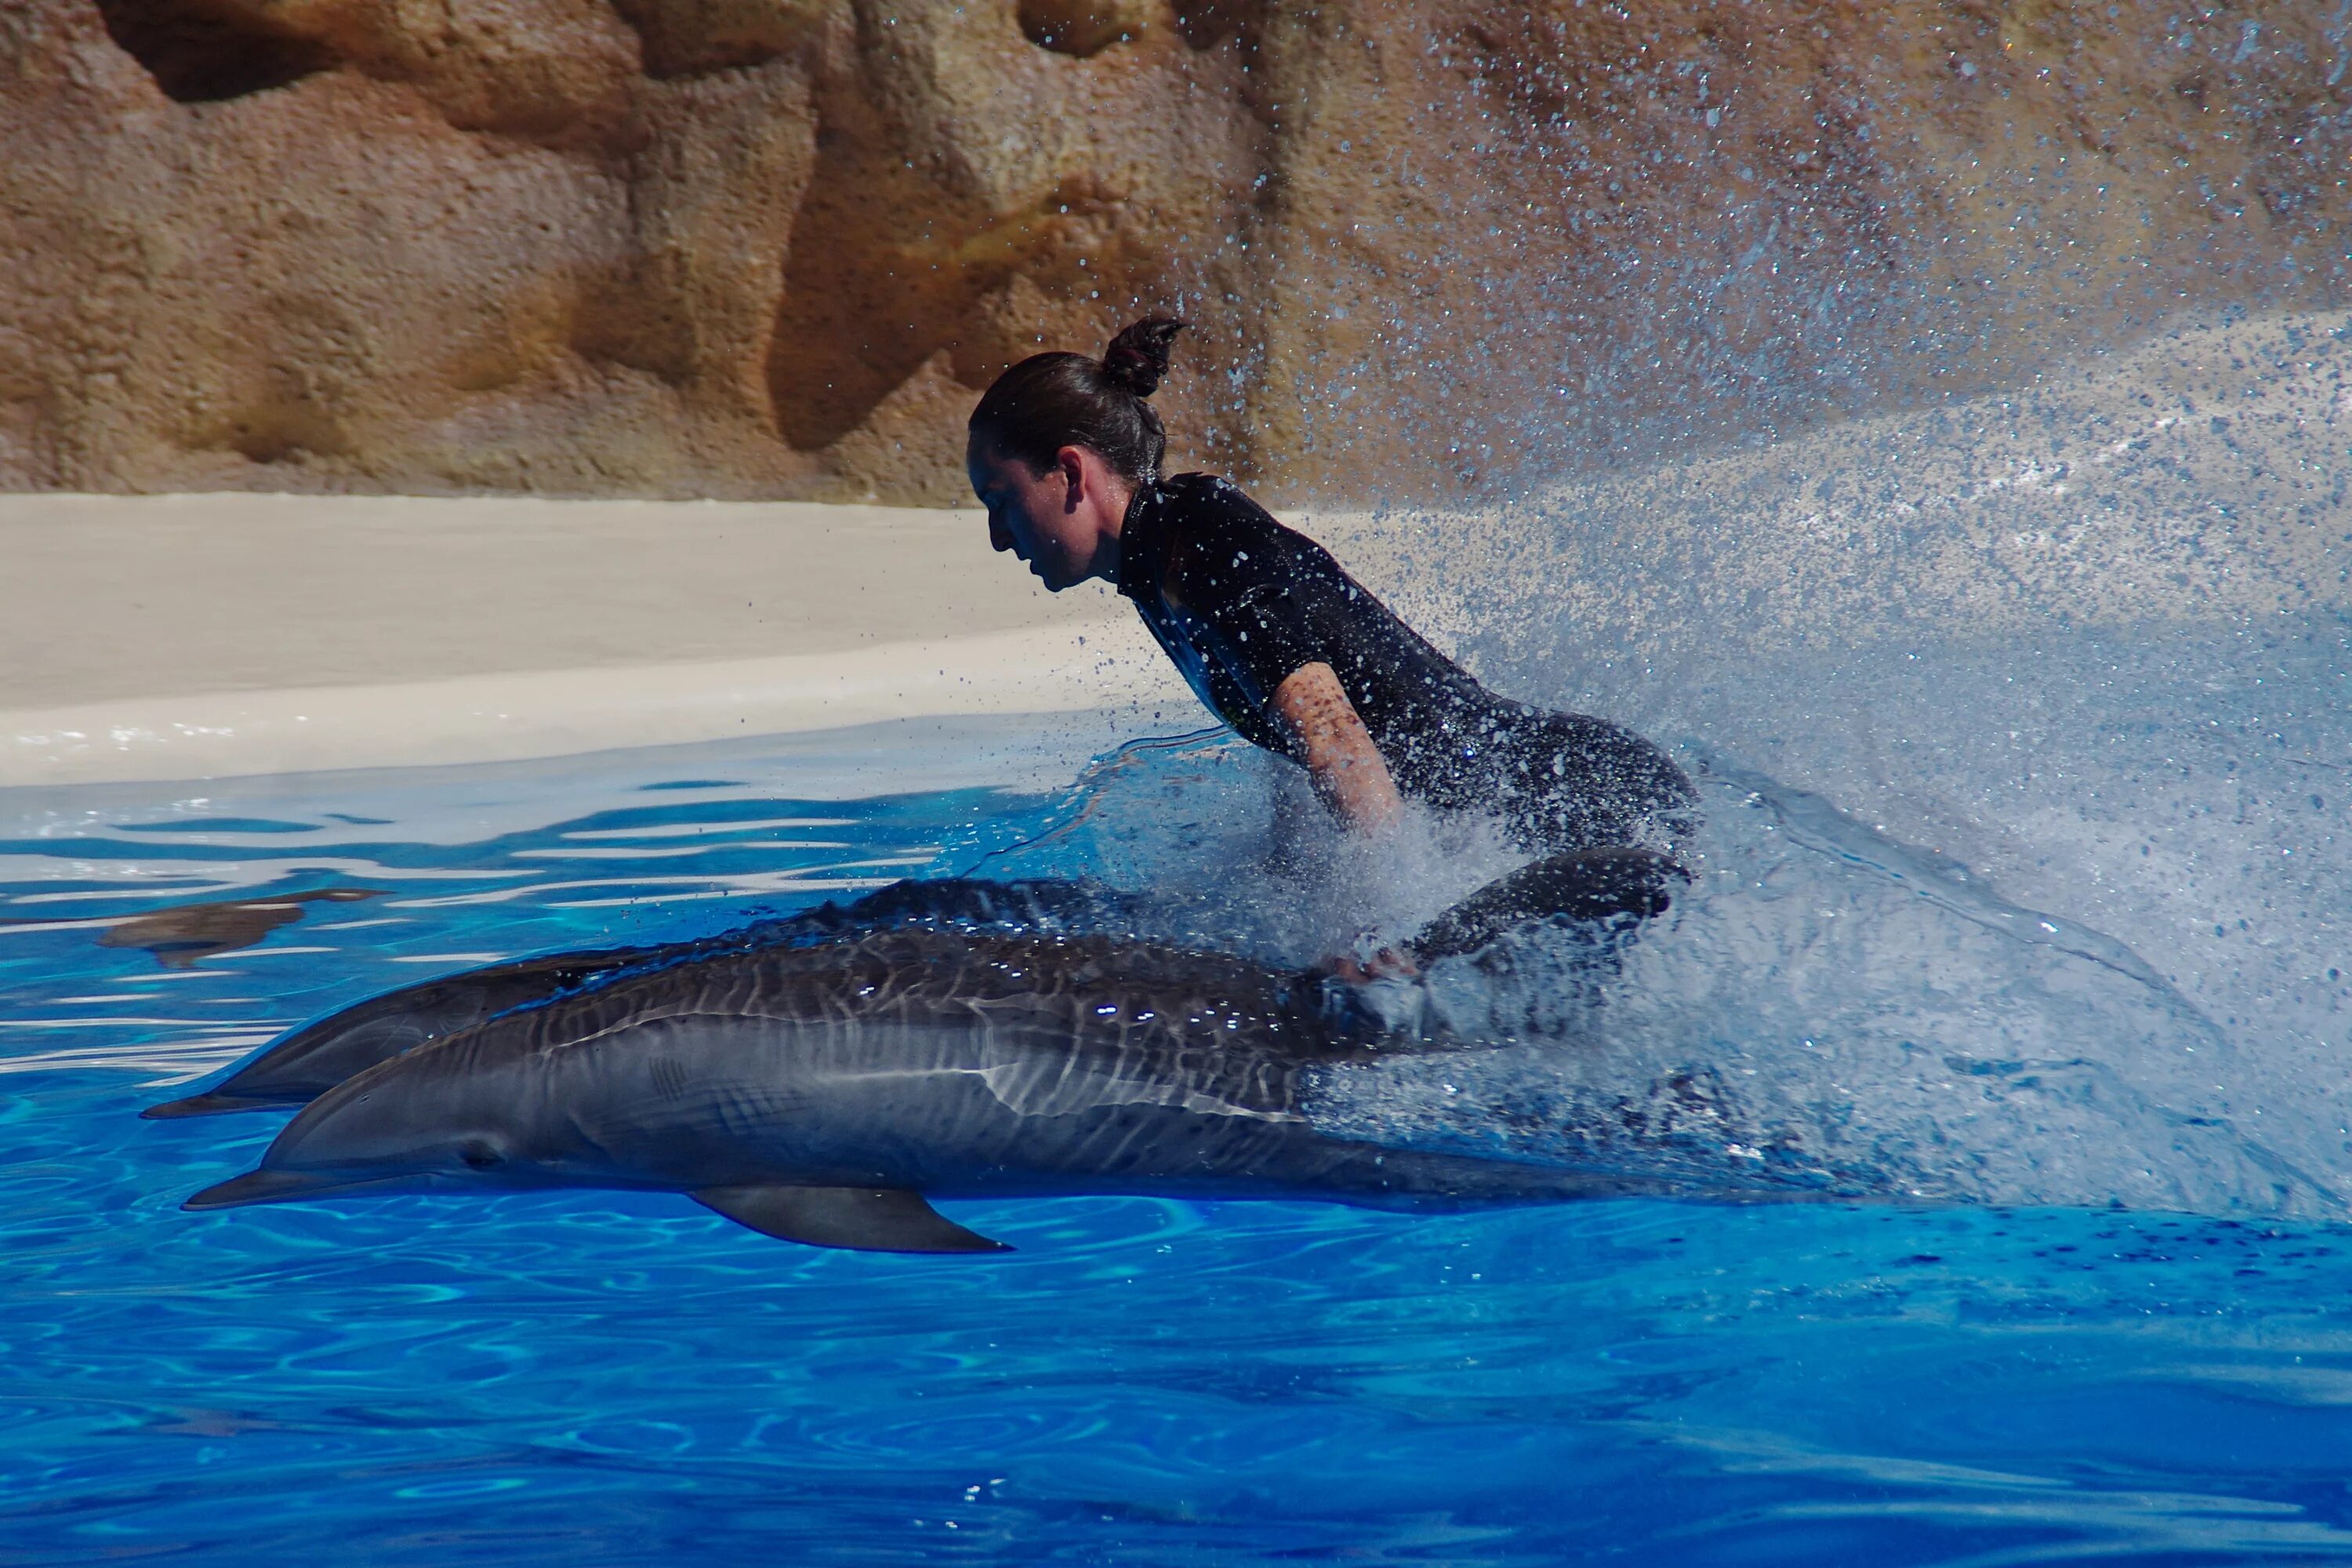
{"x": 1051, "y": 400}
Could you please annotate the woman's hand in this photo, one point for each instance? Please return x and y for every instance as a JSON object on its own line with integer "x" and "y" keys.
{"x": 1346, "y": 768}
{"x": 1389, "y": 963}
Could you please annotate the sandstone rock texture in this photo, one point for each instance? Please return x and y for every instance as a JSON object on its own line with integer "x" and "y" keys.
{"x": 773, "y": 248}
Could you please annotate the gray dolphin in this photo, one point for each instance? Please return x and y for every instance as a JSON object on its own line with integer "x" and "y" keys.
{"x": 306, "y": 1062}
{"x": 312, "y": 1059}
{"x": 1590, "y": 885}
{"x": 823, "y": 1094}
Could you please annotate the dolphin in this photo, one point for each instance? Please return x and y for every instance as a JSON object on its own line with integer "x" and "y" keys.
{"x": 307, "y": 1061}
{"x": 823, "y": 1094}
{"x": 1589, "y": 885}
{"x": 311, "y": 1060}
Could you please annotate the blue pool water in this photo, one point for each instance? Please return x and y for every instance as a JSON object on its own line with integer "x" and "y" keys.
{"x": 2100, "y": 1310}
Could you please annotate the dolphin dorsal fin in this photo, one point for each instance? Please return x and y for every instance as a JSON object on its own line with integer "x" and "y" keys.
{"x": 866, "y": 1219}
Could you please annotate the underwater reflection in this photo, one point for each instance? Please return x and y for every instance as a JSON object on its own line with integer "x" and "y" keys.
{"x": 180, "y": 934}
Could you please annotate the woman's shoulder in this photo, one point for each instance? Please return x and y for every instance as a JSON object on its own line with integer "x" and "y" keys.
{"x": 1206, "y": 505}
{"x": 1209, "y": 493}
{"x": 1218, "y": 530}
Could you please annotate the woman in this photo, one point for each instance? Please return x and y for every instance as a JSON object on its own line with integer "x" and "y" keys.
{"x": 1276, "y": 640}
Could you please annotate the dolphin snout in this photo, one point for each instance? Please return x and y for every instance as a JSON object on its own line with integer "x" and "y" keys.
{"x": 266, "y": 1186}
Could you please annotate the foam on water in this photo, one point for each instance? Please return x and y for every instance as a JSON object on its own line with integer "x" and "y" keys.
{"x": 2081, "y": 649}
{"x": 1824, "y": 1010}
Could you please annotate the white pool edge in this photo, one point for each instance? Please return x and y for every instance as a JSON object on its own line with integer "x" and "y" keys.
{"x": 526, "y": 715}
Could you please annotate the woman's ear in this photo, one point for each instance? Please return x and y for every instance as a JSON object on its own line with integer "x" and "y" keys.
{"x": 1072, "y": 463}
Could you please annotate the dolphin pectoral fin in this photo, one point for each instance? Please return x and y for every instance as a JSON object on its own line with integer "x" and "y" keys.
{"x": 865, "y": 1219}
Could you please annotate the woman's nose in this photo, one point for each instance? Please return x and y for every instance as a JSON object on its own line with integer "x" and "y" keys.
{"x": 999, "y": 536}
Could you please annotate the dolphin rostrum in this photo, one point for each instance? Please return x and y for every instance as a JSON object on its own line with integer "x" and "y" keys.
{"x": 822, "y": 1093}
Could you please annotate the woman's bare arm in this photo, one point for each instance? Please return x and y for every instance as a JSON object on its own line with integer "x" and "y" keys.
{"x": 1346, "y": 767}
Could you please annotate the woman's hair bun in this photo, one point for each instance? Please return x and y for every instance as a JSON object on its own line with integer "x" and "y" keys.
{"x": 1137, "y": 360}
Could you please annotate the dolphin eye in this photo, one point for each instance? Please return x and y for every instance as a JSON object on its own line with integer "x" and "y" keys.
{"x": 481, "y": 1156}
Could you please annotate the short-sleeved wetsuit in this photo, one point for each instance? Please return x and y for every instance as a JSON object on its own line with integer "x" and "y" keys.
{"x": 1241, "y": 603}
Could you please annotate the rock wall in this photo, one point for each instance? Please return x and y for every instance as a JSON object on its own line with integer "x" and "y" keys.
{"x": 772, "y": 248}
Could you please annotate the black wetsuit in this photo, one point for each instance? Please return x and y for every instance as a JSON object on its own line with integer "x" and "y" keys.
{"x": 1241, "y": 603}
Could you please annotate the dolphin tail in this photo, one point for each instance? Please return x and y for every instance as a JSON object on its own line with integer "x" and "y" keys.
{"x": 866, "y": 1220}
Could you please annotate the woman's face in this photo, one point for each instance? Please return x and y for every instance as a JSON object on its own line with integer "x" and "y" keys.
{"x": 1063, "y": 522}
